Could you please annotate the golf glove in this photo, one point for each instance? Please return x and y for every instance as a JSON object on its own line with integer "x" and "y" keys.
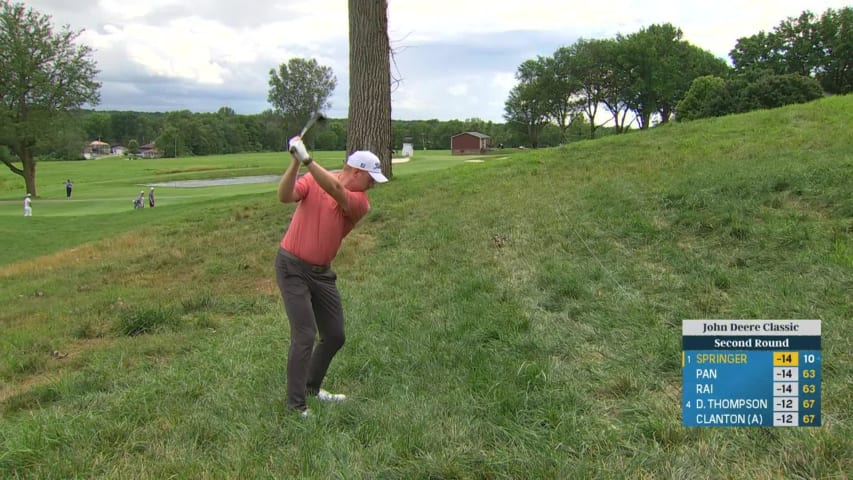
{"x": 297, "y": 148}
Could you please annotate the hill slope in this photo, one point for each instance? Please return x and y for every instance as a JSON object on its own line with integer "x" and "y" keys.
{"x": 513, "y": 319}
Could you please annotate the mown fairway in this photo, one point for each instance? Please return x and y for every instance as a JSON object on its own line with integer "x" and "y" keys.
{"x": 107, "y": 187}
{"x": 517, "y": 318}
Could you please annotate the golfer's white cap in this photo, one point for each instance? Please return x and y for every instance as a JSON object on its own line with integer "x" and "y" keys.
{"x": 29, "y": 194}
{"x": 367, "y": 161}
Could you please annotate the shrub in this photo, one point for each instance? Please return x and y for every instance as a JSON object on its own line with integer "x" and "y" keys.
{"x": 773, "y": 91}
{"x": 708, "y": 96}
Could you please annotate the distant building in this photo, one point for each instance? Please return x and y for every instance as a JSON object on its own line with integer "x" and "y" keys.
{"x": 468, "y": 143}
{"x": 118, "y": 149}
{"x": 149, "y": 150}
{"x": 96, "y": 149}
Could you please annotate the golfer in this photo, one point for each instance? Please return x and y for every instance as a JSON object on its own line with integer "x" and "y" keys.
{"x": 68, "y": 186}
{"x": 329, "y": 206}
{"x": 28, "y": 206}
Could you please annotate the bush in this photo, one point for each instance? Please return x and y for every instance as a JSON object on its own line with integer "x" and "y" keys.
{"x": 711, "y": 96}
{"x": 708, "y": 97}
{"x": 773, "y": 91}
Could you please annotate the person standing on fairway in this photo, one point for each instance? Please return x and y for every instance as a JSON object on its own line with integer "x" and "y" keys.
{"x": 28, "y": 206}
{"x": 151, "y": 197}
{"x": 68, "y": 186}
{"x": 328, "y": 207}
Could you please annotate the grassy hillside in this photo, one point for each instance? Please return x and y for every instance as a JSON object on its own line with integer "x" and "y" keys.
{"x": 516, "y": 318}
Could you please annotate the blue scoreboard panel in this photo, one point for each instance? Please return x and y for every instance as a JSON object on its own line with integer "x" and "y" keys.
{"x": 751, "y": 373}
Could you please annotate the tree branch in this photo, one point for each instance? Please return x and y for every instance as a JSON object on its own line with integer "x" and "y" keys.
{"x": 12, "y": 166}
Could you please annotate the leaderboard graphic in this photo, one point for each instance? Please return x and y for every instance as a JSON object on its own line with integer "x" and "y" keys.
{"x": 751, "y": 373}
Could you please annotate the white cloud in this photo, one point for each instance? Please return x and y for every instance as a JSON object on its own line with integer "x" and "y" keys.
{"x": 131, "y": 10}
{"x": 458, "y": 90}
{"x": 437, "y": 19}
{"x": 504, "y": 80}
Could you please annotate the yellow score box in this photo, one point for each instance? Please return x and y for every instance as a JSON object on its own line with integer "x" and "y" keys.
{"x": 786, "y": 359}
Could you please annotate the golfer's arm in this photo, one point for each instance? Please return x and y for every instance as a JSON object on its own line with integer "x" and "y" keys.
{"x": 287, "y": 184}
{"x": 331, "y": 185}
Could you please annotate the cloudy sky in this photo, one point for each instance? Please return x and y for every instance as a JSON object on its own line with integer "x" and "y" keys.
{"x": 455, "y": 59}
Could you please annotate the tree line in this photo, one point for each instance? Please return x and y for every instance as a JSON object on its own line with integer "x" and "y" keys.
{"x": 653, "y": 75}
{"x": 185, "y": 133}
{"x": 297, "y": 89}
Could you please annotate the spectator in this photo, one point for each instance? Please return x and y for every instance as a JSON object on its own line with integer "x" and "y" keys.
{"x": 28, "y": 206}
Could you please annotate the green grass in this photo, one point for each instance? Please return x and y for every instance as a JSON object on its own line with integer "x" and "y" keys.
{"x": 112, "y": 182}
{"x": 101, "y": 203}
{"x": 517, "y": 318}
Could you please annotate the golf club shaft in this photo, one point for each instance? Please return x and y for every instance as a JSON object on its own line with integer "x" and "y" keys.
{"x": 311, "y": 121}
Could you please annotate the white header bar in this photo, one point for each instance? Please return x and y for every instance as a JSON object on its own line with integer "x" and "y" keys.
{"x": 780, "y": 328}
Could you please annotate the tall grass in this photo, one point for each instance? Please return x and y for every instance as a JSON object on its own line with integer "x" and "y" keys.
{"x": 518, "y": 318}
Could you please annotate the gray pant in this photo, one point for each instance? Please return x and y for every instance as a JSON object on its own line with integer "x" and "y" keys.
{"x": 313, "y": 304}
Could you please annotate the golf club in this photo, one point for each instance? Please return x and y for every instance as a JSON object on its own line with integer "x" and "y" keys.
{"x": 315, "y": 118}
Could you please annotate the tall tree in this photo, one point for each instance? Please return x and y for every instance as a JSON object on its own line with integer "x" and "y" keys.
{"x": 650, "y": 56}
{"x": 800, "y": 44}
{"x": 687, "y": 63}
{"x": 369, "y": 126}
{"x": 526, "y": 109}
{"x": 44, "y": 76}
{"x": 300, "y": 88}
{"x": 592, "y": 67}
{"x": 804, "y": 46}
{"x": 565, "y": 87}
{"x": 758, "y": 54}
{"x": 835, "y": 31}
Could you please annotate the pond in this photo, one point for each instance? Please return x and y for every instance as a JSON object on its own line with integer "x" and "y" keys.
{"x": 217, "y": 182}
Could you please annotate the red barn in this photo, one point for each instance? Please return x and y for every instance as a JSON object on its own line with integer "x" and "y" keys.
{"x": 469, "y": 143}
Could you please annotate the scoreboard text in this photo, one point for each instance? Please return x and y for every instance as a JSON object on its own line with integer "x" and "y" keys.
{"x": 751, "y": 373}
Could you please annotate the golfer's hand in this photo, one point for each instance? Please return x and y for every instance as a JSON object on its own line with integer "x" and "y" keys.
{"x": 298, "y": 150}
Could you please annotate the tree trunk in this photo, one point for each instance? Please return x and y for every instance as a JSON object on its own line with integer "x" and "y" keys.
{"x": 645, "y": 120}
{"x": 622, "y": 125}
{"x": 369, "y": 125}
{"x": 29, "y": 173}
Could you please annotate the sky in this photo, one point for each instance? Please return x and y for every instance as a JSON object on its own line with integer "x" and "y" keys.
{"x": 453, "y": 59}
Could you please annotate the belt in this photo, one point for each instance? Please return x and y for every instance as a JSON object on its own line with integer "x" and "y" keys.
{"x": 310, "y": 266}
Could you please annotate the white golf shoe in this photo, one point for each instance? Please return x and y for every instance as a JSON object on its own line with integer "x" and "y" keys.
{"x": 325, "y": 396}
{"x": 305, "y": 413}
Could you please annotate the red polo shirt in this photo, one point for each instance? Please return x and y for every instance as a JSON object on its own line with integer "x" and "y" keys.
{"x": 319, "y": 225}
